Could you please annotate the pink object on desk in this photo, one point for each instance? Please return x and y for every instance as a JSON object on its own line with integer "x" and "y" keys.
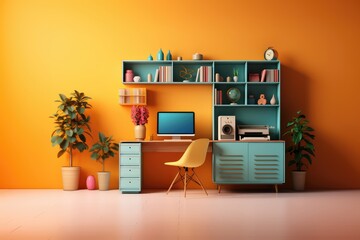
{"x": 90, "y": 182}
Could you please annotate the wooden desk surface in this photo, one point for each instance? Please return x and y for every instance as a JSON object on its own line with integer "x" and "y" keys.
{"x": 164, "y": 146}
{"x": 173, "y": 145}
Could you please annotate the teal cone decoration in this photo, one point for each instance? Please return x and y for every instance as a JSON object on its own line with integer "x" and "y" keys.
{"x": 168, "y": 56}
{"x": 160, "y": 55}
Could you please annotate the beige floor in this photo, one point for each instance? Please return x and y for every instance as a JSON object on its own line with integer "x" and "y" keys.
{"x": 83, "y": 214}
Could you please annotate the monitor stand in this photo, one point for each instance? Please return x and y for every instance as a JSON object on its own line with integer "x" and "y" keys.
{"x": 178, "y": 139}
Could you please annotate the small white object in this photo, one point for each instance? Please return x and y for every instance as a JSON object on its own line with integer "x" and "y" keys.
{"x": 137, "y": 79}
{"x": 149, "y": 77}
{"x": 273, "y": 101}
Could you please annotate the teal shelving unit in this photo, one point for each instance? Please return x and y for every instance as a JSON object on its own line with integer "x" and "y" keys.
{"x": 235, "y": 162}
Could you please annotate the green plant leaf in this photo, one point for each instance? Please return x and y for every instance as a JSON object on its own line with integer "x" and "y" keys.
{"x": 64, "y": 144}
{"x": 94, "y": 147}
{"x": 102, "y": 137}
{"x": 106, "y": 149}
{"x": 69, "y": 133}
{"x": 82, "y": 137}
{"x": 60, "y": 153}
{"x": 95, "y": 156}
{"x": 62, "y": 97}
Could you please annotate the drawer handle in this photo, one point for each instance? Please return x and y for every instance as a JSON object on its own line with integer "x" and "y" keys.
{"x": 129, "y": 170}
{"x": 129, "y": 181}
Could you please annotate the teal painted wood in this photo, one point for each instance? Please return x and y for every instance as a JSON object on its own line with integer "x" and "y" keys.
{"x": 130, "y": 160}
{"x": 248, "y": 113}
{"x": 130, "y": 185}
{"x": 248, "y": 163}
{"x": 266, "y": 163}
{"x": 130, "y": 171}
{"x": 130, "y": 167}
{"x": 230, "y": 163}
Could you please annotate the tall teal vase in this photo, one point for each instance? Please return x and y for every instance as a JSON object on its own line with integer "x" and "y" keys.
{"x": 168, "y": 56}
{"x": 160, "y": 55}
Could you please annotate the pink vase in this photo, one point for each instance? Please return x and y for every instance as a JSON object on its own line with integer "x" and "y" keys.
{"x": 90, "y": 182}
{"x": 129, "y": 76}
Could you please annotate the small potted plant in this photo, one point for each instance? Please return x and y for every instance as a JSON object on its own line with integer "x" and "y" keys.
{"x": 71, "y": 125}
{"x": 236, "y": 74}
{"x": 104, "y": 148}
{"x": 139, "y": 116}
{"x": 301, "y": 148}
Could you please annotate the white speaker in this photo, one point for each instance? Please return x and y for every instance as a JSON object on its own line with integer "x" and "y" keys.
{"x": 227, "y": 128}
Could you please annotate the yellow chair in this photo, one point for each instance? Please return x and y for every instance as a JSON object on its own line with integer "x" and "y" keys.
{"x": 193, "y": 157}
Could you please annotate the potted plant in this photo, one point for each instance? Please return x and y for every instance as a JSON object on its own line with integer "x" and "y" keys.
{"x": 301, "y": 148}
{"x": 236, "y": 74}
{"x": 104, "y": 148}
{"x": 139, "y": 116}
{"x": 71, "y": 125}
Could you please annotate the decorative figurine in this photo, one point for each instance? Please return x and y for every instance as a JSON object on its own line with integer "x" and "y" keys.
{"x": 150, "y": 58}
{"x": 262, "y": 99}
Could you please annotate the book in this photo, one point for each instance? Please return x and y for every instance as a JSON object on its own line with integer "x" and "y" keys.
{"x": 269, "y": 75}
{"x": 156, "y": 78}
{"x": 197, "y": 75}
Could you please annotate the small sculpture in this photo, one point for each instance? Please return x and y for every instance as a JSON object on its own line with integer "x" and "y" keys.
{"x": 262, "y": 99}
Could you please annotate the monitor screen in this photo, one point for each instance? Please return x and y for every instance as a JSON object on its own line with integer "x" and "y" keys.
{"x": 176, "y": 124}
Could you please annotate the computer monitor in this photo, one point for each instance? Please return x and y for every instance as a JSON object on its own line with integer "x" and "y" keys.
{"x": 175, "y": 124}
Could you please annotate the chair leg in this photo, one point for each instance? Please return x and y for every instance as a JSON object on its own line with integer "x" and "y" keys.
{"x": 185, "y": 183}
{"x": 198, "y": 179}
{"x": 173, "y": 182}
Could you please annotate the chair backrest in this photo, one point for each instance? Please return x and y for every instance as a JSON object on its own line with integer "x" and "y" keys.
{"x": 195, "y": 154}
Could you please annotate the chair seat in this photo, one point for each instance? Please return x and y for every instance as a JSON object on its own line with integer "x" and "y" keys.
{"x": 193, "y": 157}
{"x": 181, "y": 164}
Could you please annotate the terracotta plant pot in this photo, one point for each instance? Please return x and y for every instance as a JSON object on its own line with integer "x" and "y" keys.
{"x": 104, "y": 180}
{"x": 70, "y": 178}
{"x": 299, "y": 178}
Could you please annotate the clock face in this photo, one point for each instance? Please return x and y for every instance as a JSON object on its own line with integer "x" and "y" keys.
{"x": 269, "y": 54}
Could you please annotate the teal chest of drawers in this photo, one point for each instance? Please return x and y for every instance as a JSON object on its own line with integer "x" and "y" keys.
{"x": 130, "y": 167}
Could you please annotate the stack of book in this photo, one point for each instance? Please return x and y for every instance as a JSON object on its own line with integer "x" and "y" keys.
{"x": 270, "y": 75}
{"x": 218, "y": 97}
{"x": 163, "y": 74}
{"x": 204, "y": 74}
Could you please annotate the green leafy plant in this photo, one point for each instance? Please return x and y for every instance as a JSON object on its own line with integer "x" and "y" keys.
{"x": 71, "y": 124}
{"x": 302, "y": 146}
{"x": 104, "y": 148}
{"x": 236, "y": 72}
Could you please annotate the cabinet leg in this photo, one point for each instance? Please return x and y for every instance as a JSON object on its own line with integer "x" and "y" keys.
{"x": 219, "y": 188}
{"x": 276, "y": 188}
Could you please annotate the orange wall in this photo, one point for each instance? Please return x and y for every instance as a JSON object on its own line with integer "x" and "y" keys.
{"x": 51, "y": 47}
